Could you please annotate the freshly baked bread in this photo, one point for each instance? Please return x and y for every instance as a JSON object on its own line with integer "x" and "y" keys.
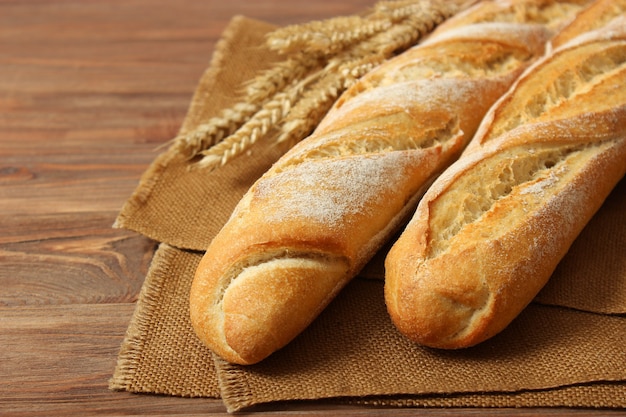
{"x": 320, "y": 213}
{"x": 490, "y": 231}
{"x": 597, "y": 15}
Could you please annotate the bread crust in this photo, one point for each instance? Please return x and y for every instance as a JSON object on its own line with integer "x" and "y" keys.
{"x": 308, "y": 225}
{"x": 491, "y": 230}
{"x": 599, "y": 14}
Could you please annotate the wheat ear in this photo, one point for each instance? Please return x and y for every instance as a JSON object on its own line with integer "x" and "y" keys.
{"x": 316, "y": 102}
{"x": 344, "y": 70}
{"x": 258, "y": 92}
{"x": 250, "y": 132}
{"x": 331, "y": 56}
{"x": 280, "y": 76}
{"x": 325, "y": 37}
{"x": 216, "y": 129}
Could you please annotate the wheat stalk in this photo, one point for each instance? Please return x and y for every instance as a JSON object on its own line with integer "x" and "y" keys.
{"x": 325, "y": 37}
{"x": 248, "y": 134}
{"x": 308, "y": 112}
{"x": 258, "y": 126}
{"x": 258, "y": 92}
{"x": 316, "y": 102}
{"x": 311, "y": 109}
{"x": 282, "y": 74}
{"x": 215, "y": 130}
{"x": 324, "y": 59}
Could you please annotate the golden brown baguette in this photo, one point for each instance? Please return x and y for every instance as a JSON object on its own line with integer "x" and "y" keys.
{"x": 597, "y": 15}
{"x": 491, "y": 230}
{"x": 320, "y": 213}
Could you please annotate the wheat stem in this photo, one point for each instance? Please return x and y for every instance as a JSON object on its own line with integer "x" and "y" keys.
{"x": 259, "y": 91}
{"x": 315, "y": 103}
{"x": 217, "y": 128}
{"x": 325, "y": 37}
{"x": 281, "y": 75}
{"x": 345, "y": 69}
{"x": 250, "y": 132}
{"x": 324, "y": 59}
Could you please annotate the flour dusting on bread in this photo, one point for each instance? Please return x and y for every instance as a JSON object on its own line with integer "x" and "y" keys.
{"x": 491, "y": 230}
{"x": 312, "y": 221}
{"x": 357, "y": 187}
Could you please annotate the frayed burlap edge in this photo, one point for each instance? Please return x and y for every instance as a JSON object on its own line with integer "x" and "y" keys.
{"x": 128, "y": 375}
{"x": 196, "y": 113}
{"x": 130, "y": 352}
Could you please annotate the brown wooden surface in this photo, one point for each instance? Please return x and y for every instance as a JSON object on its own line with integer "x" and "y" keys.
{"x": 88, "y": 90}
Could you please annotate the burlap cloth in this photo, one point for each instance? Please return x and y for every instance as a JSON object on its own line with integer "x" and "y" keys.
{"x": 566, "y": 349}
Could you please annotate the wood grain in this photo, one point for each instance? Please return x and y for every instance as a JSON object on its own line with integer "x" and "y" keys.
{"x": 59, "y": 359}
{"x": 53, "y": 259}
{"x": 88, "y": 91}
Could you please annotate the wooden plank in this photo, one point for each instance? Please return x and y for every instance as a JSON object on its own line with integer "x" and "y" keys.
{"x": 67, "y": 258}
{"x": 88, "y": 89}
{"x": 67, "y": 187}
{"x": 75, "y": 64}
{"x": 57, "y": 360}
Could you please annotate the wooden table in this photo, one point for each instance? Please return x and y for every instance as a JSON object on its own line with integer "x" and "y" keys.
{"x": 88, "y": 90}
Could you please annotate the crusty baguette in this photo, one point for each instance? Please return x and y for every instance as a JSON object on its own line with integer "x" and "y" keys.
{"x": 321, "y": 212}
{"x": 490, "y": 231}
{"x": 597, "y": 15}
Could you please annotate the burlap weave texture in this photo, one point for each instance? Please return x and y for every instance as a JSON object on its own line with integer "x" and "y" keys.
{"x": 566, "y": 349}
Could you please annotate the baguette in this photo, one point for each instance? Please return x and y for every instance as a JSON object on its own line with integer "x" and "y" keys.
{"x": 491, "y": 230}
{"x": 309, "y": 224}
{"x": 597, "y": 15}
